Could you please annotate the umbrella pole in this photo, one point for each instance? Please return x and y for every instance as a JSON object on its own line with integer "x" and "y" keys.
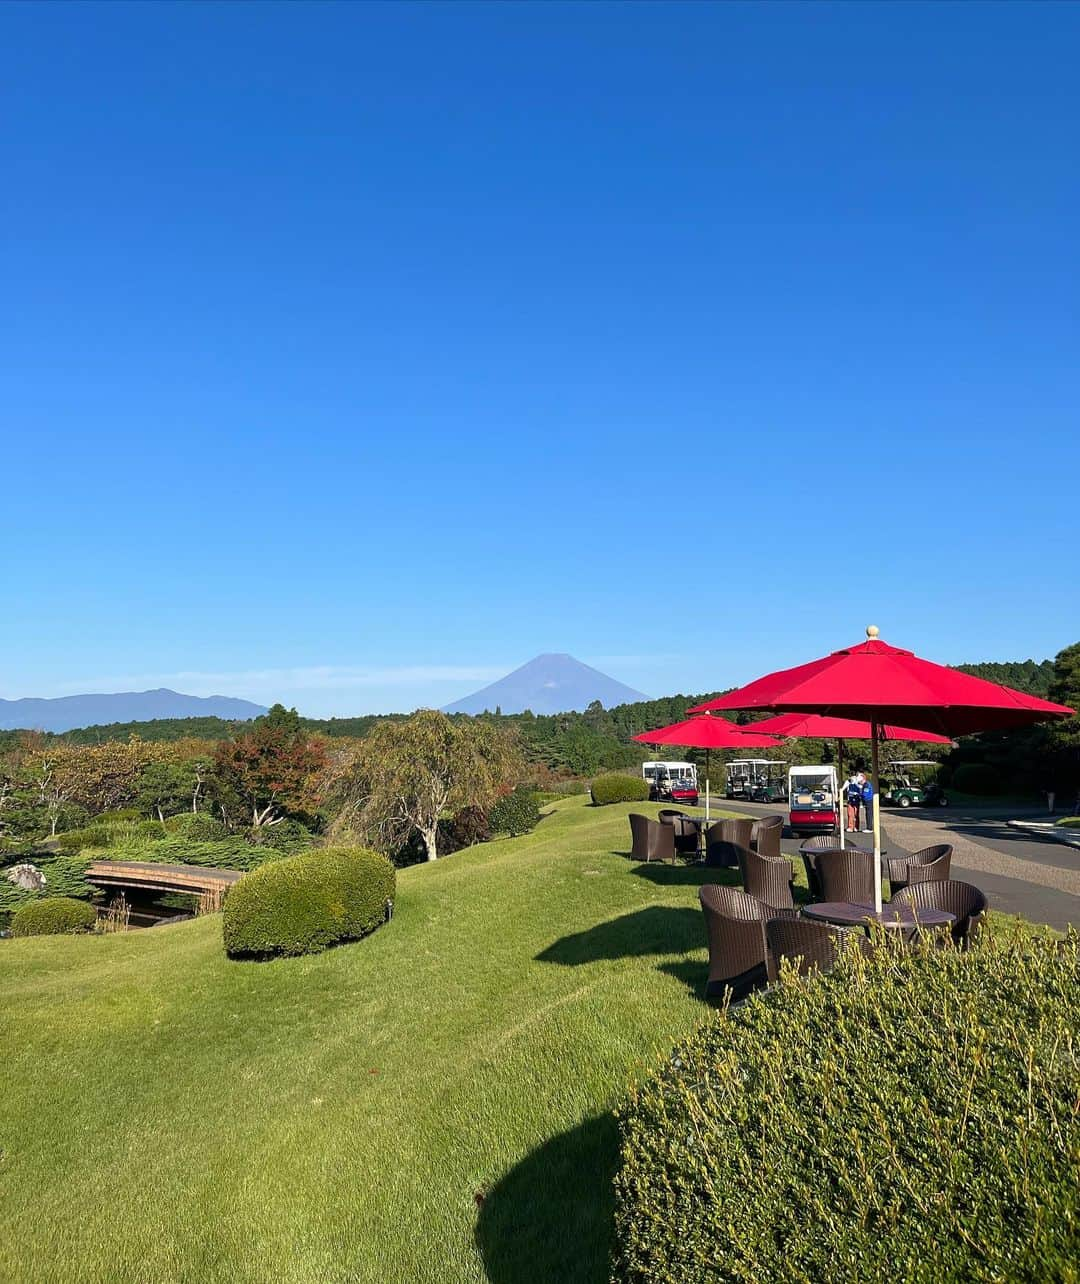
{"x": 876, "y": 808}
{"x": 841, "y": 802}
{"x": 706, "y": 786}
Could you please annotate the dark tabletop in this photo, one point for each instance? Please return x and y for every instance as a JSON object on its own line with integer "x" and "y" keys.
{"x": 848, "y": 914}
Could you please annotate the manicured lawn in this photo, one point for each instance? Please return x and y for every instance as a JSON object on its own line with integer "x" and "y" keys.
{"x": 430, "y": 1104}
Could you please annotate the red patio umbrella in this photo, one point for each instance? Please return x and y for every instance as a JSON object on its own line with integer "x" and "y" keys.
{"x": 817, "y": 726}
{"x": 706, "y": 732}
{"x": 884, "y": 684}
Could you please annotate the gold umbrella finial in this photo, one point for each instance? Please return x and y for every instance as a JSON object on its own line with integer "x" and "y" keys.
{"x": 872, "y": 631}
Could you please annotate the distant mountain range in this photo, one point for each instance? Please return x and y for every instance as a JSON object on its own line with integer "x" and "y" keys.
{"x": 548, "y": 684}
{"x": 67, "y": 712}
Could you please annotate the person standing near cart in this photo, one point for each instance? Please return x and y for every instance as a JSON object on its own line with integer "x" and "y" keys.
{"x": 853, "y": 791}
{"x": 868, "y": 804}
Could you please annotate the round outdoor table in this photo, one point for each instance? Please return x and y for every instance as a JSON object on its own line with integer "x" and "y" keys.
{"x": 849, "y": 914}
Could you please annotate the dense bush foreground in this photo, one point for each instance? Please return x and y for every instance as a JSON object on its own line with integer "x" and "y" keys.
{"x": 910, "y": 1118}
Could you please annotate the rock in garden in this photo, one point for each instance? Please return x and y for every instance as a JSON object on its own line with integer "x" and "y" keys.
{"x": 28, "y": 877}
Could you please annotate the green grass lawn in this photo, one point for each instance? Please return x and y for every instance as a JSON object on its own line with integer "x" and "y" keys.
{"x": 430, "y": 1104}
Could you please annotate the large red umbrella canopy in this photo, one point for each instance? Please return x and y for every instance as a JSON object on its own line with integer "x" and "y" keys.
{"x": 886, "y": 684}
{"x": 707, "y": 732}
{"x": 817, "y": 726}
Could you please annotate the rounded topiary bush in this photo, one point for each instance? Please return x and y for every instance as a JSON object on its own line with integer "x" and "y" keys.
{"x": 619, "y": 789}
{"x": 909, "y": 1117}
{"x": 516, "y": 813}
{"x": 199, "y": 826}
{"x": 305, "y": 903}
{"x": 53, "y": 916}
{"x": 977, "y": 778}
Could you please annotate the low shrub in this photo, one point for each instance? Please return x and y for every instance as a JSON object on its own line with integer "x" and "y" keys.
{"x": 199, "y": 826}
{"x": 305, "y": 903}
{"x": 53, "y": 916}
{"x": 911, "y": 1116}
{"x": 515, "y": 813}
{"x": 619, "y": 789}
{"x": 977, "y": 778}
{"x": 288, "y": 837}
{"x": 465, "y": 828}
{"x": 65, "y": 876}
{"x": 104, "y": 832}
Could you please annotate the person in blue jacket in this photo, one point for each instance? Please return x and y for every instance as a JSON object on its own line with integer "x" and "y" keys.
{"x": 868, "y": 804}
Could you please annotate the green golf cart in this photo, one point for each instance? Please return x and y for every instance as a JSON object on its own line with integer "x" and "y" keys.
{"x": 907, "y": 785}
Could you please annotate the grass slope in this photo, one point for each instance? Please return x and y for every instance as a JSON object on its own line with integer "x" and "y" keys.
{"x": 430, "y": 1104}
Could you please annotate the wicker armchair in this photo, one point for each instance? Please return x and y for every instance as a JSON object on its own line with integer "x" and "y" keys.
{"x": 765, "y": 835}
{"x": 738, "y": 953}
{"x": 723, "y": 840}
{"x": 666, "y": 816}
{"x": 931, "y": 865}
{"x": 846, "y": 875}
{"x": 812, "y": 946}
{"x": 650, "y": 840}
{"x": 687, "y": 835}
{"x": 964, "y": 900}
{"x": 767, "y": 878}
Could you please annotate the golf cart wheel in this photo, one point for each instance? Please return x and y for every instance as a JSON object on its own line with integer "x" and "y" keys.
{"x": 943, "y": 802}
{"x": 905, "y": 801}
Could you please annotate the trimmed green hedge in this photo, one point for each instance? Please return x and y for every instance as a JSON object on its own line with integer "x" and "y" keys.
{"x": 619, "y": 789}
{"x": 517, "y": 813}
{"x": 305, "y": 903}
{"x": 53, "y": 916}
{"x": 910, "y": 1117}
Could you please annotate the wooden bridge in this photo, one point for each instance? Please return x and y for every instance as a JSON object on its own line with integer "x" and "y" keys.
{"x": 198, "y": 880}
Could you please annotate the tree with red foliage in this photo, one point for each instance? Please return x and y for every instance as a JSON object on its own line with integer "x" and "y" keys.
{"x": 273, "y": 769}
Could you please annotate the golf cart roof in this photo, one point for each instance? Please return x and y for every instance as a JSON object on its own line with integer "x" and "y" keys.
{"x": 815, "y": 770}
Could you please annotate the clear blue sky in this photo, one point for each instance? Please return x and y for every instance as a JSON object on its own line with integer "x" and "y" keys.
{"x": 354, "y": 354}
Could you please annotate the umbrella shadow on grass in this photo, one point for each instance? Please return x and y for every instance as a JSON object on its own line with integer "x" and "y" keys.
{"x": 687, "y": 875}
{"x": 657, "y": 930}
{"x": 550, "y": 1217}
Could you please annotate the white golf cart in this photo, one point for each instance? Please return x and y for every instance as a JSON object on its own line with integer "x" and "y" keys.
{"x": 758, "y": 778}
{"x": 813, "y": 800}
{"x": 671, "y": 781}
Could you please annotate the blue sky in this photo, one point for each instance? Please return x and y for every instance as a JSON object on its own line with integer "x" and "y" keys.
{"x": 353, "y": 355}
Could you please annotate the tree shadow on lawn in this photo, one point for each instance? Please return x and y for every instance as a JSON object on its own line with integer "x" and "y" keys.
{"x": 551, "y": 1216}
{"x": 659, "y": 929}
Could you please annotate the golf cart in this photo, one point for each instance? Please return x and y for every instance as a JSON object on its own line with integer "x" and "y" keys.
{"x": 671, "y": 781}
{"x": 770, "y": 783}
{"x": 812, "y": 795}
{"x": 903, "y": 788}
{"x": 756, "y": 778}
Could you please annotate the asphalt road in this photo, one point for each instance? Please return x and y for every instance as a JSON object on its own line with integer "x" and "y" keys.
{"x": 1020, "y": 873}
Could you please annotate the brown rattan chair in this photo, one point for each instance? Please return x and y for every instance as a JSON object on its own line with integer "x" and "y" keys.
{"x": 964, "y": 900}
{"x": 651, "y": 840}
{"x": 738, "y": 953}
{"x": 687, "y": 835}
{"x": 768, "y": 878}
{"x": 723, "y": 840}
{"x": 765, "y": 835}
{"x": 666, "y": 815}
{"x": 930, "y": 865}
{"x": 812, "y": 946}
{"x": 846, "y": 875}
